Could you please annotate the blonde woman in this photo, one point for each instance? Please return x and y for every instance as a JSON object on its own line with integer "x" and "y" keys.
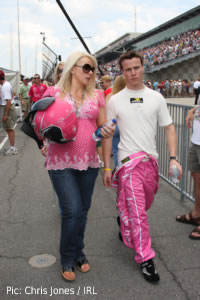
{"x": 119, "y": 84}
{"x": 73, "y": 167}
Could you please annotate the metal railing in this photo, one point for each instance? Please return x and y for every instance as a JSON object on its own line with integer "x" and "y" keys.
{"x": 178, "y": 114}
{"x": 49, "y": 62}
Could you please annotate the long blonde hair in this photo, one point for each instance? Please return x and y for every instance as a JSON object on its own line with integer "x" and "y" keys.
{"x": 64, "y": 83}
{"x": 119, "y": 84}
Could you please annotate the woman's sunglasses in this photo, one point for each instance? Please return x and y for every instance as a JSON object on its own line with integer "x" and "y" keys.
{"x": 86, "y": 68}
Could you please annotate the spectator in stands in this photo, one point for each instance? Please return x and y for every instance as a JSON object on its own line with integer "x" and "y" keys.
{"x": 9, "y": 113}
{"x": 165, "y": 85}
{"x": 24, "y": 96}
{"x": 172, "y": 88}
{"x": 179, "y": 87}
{"x": 106, "y": 84}
{"x": 185, "y": 88}
{"x": 191, "y": 91}
{"x": 155, "y": 85}
{"x": 37, "y": 89}
{"x": 137, "y": 109}
{"x": 167, "y": 88}
{"x": 148, "y": 84}
{"x": 196, "y": 88}
{"x": 194, "y": 167}
{"x": 175, "y": 87}
{"x": 161, "y": 87}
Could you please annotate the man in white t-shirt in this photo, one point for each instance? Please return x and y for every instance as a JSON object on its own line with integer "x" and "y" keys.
{"x": 9, "y": 113}
{"x": 196, "y": 87}
{"x": 138, "y": 110}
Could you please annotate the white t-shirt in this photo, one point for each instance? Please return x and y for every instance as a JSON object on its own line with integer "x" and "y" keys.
{"x": 196, "y": 125}
{"x": 137, "y": 120}
{"x": 196, "y": 132}
{"x": 6, "y": 93}
{"x": 196, "y": 84}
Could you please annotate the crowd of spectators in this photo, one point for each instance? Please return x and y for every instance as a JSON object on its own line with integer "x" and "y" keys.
{"x": 177, "y": 46}
{"x": 164, "y": 52}
{"x": 168, "y": 50}
{"x": 173, "y": 88}
{"x": 168, "y": 88}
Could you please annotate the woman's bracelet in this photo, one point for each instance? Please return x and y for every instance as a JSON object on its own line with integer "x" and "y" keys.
{"x": 107, "y": 169}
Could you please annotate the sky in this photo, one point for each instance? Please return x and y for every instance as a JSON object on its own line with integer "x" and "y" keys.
{"x": 99, "y": 21}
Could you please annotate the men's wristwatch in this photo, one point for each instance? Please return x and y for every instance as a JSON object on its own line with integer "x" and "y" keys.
{"x": 173, "y": 157}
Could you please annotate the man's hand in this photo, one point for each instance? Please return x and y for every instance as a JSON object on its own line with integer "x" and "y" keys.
{"x": 174, "y": 162}
{"x": 190, "y": 117}
{"x": 107, "y": 178}
{"x": 4, "y": 118}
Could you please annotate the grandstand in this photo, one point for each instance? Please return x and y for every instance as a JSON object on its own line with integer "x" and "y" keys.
{"x": 170, "y": 51}
{"x": 112, "y": 50}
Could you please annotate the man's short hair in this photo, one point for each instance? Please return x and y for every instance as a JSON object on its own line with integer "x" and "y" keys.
{"x": 106, "y": 78}
{"x": 2, "y": 75}
{"x": 129, "y": 55}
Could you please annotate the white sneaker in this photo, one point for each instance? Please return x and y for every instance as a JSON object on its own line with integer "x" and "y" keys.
{"x": 11, "y": 151}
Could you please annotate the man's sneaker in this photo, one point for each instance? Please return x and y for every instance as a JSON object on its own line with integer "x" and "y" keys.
{"x": 11, "y": 151}
{"x": 149, "y": 272}
{"x": 120, "y": 235}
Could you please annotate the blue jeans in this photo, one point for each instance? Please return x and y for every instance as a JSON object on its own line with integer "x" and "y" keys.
{"x": 74, "y": 189}
{"x": 115, "y": 142}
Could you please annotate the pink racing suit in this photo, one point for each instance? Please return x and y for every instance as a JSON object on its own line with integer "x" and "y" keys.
{"x": 136, "y": 179}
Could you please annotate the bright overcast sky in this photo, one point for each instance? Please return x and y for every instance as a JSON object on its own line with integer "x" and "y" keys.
{"x": 102, "y": 20}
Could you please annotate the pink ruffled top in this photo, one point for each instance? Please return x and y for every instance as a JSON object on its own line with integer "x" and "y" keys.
{"x": 81, "y": 153}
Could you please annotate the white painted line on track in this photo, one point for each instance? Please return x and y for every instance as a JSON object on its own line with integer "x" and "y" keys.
{"x": 5, "y": 139}
{"x": 3, "y": 142}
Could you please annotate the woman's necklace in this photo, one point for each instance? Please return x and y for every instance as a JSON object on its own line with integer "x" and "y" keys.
{"x": 78, "y": 103}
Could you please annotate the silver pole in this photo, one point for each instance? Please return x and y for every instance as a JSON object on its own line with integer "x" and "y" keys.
{"x": 11, "y": 46}
{"x": 19, "y": 51}
{"x": 135, "y": 20}
{"x": 35, "y": 59}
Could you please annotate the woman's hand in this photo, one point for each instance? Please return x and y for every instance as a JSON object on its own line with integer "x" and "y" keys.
{"x": 44, "y": 149}
{"x": 107, "y": 178}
